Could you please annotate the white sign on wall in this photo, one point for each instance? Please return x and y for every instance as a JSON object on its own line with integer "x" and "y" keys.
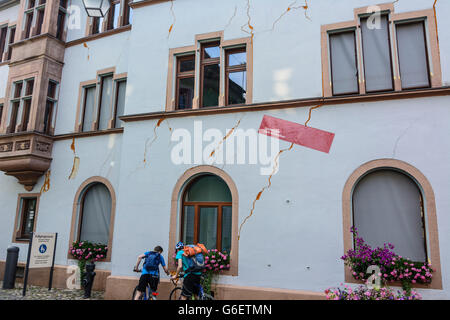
{"x": 42, "y": 248}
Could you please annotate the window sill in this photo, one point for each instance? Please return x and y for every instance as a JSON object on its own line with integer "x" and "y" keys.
{"x": 87, "y": 134}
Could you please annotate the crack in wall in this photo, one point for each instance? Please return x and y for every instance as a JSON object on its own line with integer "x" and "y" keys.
{"x": 248, "y": 24}
{"x": 231, "y": 19}
{"x": 174, "y": 18}
{"x": 46, "y": 186}
{"x": 292, "y": 7}
{"x": 87, "y": 47}
{"x": 258, "y": 196}
{"x": 226, "y": 137}
{"x": 310, "y": 110}
{"x": 155, "y": 136}
{"x": 76, "y": 161}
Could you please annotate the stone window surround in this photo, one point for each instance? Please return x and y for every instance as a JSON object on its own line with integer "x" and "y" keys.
{"x": 176, "y": 207}
{"x": 76, "y": 210}
{"x": 97, "y": 82}
{"x": 394, "y": 18}
{"x": 431, "y": 226}
{"x": 17, "y": 221}
{"x": 196, "y": 49}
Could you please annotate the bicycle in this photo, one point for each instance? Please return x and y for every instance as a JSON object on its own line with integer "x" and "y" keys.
{"x": 175, "y": 294}
{"x": 148, "y": 294}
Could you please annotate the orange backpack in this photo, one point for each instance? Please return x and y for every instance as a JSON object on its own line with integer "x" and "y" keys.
{"x": 192, "y": 250}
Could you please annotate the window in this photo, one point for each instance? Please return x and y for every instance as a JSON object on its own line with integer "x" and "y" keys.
{"x": 61, "y": 19}
{"x": 21, "y": 105}
{"x": 50, "y": 106}
{"x": 121, "y": 86}
{"x": 102, "y": 102}
{"x": 392, "y": 53}
{"x": 3, "y": 33}
{"x": 26, "y": 219}
{"x": 12, "y": 33}
{"x": 113, "y": 15}
{"x": 185, "y": 81}
{"x": 104, "y": 110}
{"x": 413, "y": 55}
{"x": 88, "y": 108}
{"x": 119, "y": 15}
{"x": 236, "y": 76}
{"x": 34, "y": 13}
{"x": 377, "y": 55}
{"x": 388, "y": 207}
{"x": 1, "y": 113}
{"x": 213, "y": 73}
{"x": 128, "y": 13}
{"x": 344, "y": 69}
{"x": 95, "y": 214}
{"x": 206, "y": 213}
{"x": 210, "y": 74}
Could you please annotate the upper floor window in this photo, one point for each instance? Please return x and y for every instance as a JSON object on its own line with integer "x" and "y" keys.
{"x": 1, "y": 113}
{"x": 211, "y": 74}
{"x": 22, "y": 93}
{"x": 119, "y": 15}
{"x": 7, "y": 33}
{"x": 397, "y": 52}
{"x": 50, "y": 106}
{"x": 102, "y": 102}
{"x": 60, "y": 22}
{"x": 33, "y": 18}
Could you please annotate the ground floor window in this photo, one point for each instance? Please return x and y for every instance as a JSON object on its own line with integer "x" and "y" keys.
{"x": 388, "y": 207}
{"x": 207, "y": 213}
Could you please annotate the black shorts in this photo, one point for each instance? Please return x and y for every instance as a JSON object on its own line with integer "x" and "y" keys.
{"x": 191, "y": 285}
{"x": 146, "y": 279}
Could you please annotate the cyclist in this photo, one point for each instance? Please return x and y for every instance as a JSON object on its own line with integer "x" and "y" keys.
{"x": 191, "y": 282}
{"x": 150, "y": 270}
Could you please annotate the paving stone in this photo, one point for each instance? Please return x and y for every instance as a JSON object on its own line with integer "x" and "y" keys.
{"x": 42, "y": 293}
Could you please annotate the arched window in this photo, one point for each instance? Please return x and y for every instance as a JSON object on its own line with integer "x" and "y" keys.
{"x": 388, "y": 207}
{"x": 206, "y": 215}
{"x": 95, "y": 214}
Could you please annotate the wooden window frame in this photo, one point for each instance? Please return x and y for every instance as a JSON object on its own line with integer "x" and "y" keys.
{"x": 204, "y": 62}
{"x": 356, "y": 62}
{"x": 396, "y": 24}
{"x": 98, "y": 105}
{"x": 183, "y": 75}
{"x": 431, "y": 41}
{"x": 202, "y": 40}
{"x": 19, "y": 220}
{"x": 116, "y": 83}
{"x": 110, "y": 18}
{"x": 197, "y": 205}
{"x": 85, "y": 88}
{"x": 232, "y": 69}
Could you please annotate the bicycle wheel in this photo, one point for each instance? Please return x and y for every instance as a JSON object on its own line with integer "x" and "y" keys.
{"x": 207, "y": 297}
{"x": 175, "y": 294}
{"x": 134, "y": 294}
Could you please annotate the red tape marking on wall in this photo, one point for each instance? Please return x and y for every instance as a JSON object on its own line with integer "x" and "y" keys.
{"x": 296, "y": 133}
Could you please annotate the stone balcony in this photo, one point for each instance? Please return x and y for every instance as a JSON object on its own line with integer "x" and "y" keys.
{"x": 26, "y": 156}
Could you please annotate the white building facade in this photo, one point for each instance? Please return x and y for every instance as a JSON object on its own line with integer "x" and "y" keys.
{"x": 142, "y": 129}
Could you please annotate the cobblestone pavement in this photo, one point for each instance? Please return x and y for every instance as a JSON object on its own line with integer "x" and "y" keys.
{"x": 42, "y": 293}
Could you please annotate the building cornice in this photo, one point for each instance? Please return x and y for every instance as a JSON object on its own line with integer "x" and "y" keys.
{"x": 442, "y": 91}
{"x": 144, "y": 3}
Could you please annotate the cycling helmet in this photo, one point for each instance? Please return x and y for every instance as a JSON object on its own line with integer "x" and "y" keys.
{"x": 179, "y": 246}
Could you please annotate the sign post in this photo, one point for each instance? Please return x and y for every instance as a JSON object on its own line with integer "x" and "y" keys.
{"x": 41, "y": 254}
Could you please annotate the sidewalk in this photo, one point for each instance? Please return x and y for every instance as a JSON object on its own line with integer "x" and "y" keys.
{"x": 42, "y": 293}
